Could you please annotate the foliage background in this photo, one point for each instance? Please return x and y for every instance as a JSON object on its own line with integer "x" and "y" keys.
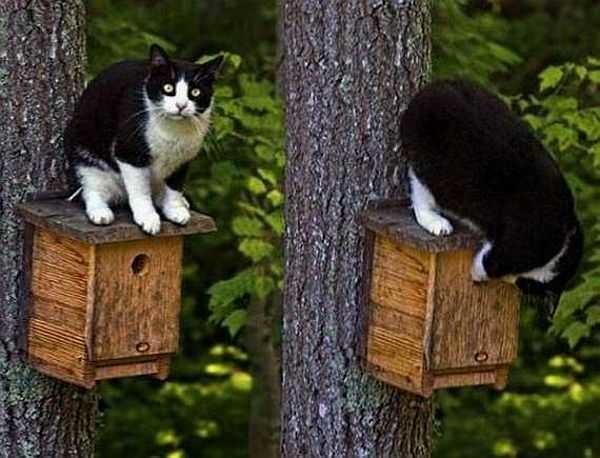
{"x": 538, "y": 54}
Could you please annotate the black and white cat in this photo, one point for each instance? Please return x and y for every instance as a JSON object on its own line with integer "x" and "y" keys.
{"x": 135, "y": 129}
{"x": 471, "y": 159}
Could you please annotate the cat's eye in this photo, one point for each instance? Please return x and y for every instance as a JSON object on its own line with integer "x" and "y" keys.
{"x": 196, "y": 92}
{"x": 168, "y": 88}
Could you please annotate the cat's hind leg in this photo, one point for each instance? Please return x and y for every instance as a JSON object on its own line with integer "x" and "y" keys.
{"x": 424, "y": 207}
{"x": 173, "y": 205}
{"x": 98, "y": 188}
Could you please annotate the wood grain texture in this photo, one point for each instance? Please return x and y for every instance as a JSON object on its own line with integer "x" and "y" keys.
{"x": 395, "y": 220}
{"x": 58, "y": 301}
{"x": 395, "y": 340}
{"x": 68, "y": 218}
{"x": 134, "y": 311}
{"x": 474, "y": 324}
{"x": 127, "y": 370}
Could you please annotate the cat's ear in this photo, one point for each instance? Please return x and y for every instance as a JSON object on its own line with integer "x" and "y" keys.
{"x": 158, "y": 56}
{"x": 210, "y": 70}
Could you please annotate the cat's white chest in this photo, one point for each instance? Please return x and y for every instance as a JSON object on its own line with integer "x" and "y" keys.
{"x": 171, "y": 144}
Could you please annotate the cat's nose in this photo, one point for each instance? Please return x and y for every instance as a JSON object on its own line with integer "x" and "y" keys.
{"x": 181, "y": 106}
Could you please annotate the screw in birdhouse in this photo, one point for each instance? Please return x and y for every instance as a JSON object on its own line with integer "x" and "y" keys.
{"x": 481, "y": 356}
{"x": 142, "y": 347}
{"x": 139, "y": 265}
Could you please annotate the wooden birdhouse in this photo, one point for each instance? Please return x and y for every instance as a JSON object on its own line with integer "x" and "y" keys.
{"x": 428, "y": 324}
{"x": 104, "y": 301}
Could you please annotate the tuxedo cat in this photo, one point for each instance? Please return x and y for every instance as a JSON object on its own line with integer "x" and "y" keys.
{"x": 472, "y": 160}
{"x": 133, "y": 133}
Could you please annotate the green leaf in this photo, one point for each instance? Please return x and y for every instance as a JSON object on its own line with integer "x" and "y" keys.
{"x": 276, "y": 221}
{"x": 275, "y": 197}
{"x": 269, "y": 176}
{"x": 593, "y": 315}
{"x": 264, "y": 286}
{"x": 256, "y": 249}
{"x": 575, "y": 332}
{"x": 581, "y": 72}
{"x": 224, "y": 293}
{"x": 235, "y": 321}
{"x": 594, "y": 76}
{"x": 245, "y": 226}
{"x": 550, "y": 78}
{"x": 255, "y": 186}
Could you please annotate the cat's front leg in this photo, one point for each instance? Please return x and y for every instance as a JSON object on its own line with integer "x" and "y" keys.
{"x": 174, "y": 206}
{"x": 138, "y": 183}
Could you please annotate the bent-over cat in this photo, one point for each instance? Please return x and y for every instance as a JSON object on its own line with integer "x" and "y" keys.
{"x": 135, "y": 129}
{"x": 471, "y": 159}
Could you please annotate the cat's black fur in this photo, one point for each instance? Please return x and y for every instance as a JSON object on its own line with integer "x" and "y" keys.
{"x": 483, "y": 164}
{"x": 112, "y": 108}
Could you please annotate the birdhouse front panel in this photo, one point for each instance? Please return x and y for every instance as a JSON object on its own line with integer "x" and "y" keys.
{"x": 136, "y": 297}
{"x": 474, "y": 323}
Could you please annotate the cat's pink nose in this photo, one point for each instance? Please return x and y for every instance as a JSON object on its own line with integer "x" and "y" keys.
{"x": 181, "y": 106}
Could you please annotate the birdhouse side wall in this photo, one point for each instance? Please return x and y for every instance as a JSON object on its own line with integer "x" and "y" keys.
{"x": 397, "y": 313}
{"x": 61, "y": 279}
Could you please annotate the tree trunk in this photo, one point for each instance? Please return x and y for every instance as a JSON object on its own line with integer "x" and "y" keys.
{"x": 350, "y": 68}
{"x": 42, "y": 49}
{"x": 263, "y": 344}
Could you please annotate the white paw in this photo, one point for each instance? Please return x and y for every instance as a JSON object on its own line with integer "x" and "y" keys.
{"x": 434, "y": 223}
{"x": 178, "y": 214}
{"x": 478, "y": 273}
{"x": 185, "y": 202}
{"x": 148, "y": 221}
{"x": 101, "y": 216}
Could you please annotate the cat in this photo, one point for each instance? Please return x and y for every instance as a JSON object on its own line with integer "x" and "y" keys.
{"x": 472, "y": 160}
{"x": 134, "y": 131}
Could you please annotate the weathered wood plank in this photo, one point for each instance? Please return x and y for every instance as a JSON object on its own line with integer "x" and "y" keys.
{"x": 137, "y": 314}
{"x": 399, "y": 277}
{"x": 68, "y": 218}
{"x": 474, "y": 324}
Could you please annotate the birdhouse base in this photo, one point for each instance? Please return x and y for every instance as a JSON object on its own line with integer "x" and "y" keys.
{"x": 103, "y": 301}
{"x": 428, "y": 325}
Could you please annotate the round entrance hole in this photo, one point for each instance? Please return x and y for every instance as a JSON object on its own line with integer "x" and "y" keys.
{"x": 139, "y": 265}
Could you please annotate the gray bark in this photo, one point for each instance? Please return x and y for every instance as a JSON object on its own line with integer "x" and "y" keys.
{"x": 350, "y": 68}
{"x": 42, "y": 50}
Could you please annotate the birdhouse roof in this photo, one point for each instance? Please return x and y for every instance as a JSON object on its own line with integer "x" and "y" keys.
{"x": 395, "y": 220}
{"x": 69, "y": 219}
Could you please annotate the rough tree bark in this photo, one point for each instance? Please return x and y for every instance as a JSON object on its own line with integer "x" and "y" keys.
{"x": 42, "y": 50}
{"x": 350, "y": 68}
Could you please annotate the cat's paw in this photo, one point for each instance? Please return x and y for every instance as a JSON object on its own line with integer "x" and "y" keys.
{"x": 178, "y": 214}
{"x": 478, "y": 272}
{"x": 101, "y": 216}
{"x": 148, "y": 221}
{"x": 434, "y": 223}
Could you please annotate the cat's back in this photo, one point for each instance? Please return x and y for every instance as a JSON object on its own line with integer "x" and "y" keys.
{"x": 96, "y": 118}
{"x": 114, "y": 84}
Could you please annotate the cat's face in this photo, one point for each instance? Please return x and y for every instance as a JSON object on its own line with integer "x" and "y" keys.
{"x": 179, "y": 90}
